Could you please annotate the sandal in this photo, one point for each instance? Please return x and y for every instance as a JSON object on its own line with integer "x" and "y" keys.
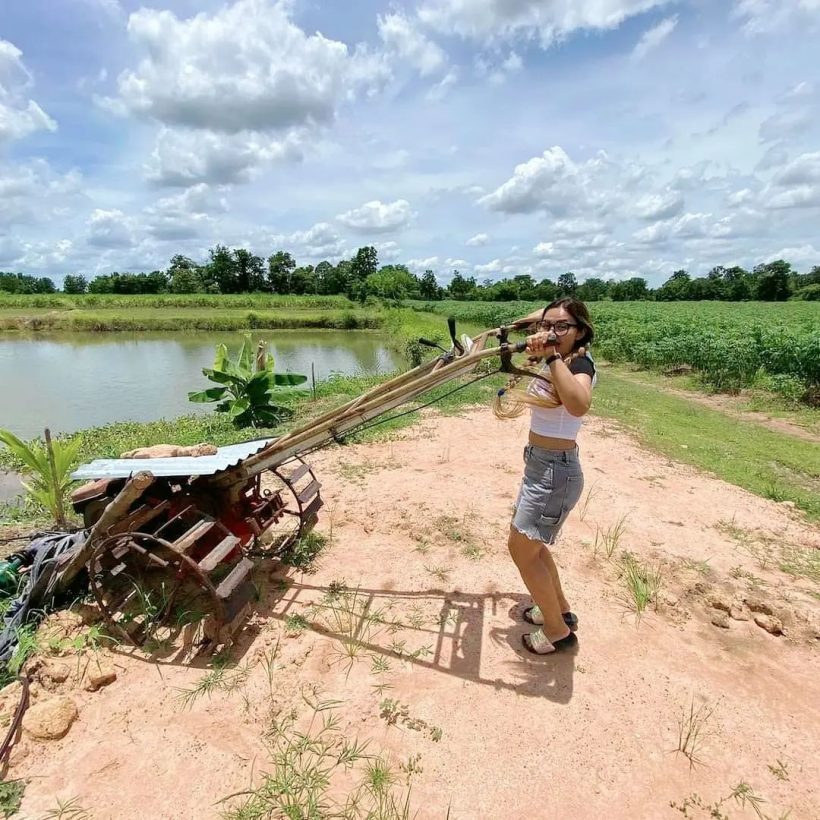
{"x": 537, "y": 643}
{"x": 532, "y": 615}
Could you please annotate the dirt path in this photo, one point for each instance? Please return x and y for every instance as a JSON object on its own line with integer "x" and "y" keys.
{"x": 440, "y": 683}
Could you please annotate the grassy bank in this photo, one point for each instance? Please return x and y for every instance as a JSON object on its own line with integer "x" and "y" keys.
{"x": 770, "y": 464}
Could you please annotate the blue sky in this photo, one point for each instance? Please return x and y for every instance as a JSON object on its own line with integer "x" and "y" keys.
{"x": 609, "y": 137}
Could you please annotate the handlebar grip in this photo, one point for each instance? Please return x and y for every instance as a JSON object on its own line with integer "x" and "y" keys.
{"x": 427, "y": 342}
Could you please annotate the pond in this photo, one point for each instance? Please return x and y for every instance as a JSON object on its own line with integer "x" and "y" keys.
{"x": 73, "y": 381}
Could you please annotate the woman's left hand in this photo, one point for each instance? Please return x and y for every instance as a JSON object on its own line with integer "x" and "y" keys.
{"x": 542, "y": 344}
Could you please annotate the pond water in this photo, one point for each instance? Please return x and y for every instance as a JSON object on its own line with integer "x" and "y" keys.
{"x": 73, "y": 381}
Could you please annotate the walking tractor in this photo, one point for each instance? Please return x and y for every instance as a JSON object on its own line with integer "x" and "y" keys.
{"x": 173, "y": 542}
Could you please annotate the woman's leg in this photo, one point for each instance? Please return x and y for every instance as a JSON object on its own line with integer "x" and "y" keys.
{"x": 526, "y": 554}
{"x": 546, "y": 556}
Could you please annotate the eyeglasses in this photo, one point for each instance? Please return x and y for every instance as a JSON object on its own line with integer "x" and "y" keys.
{"x": 560, "y": 328}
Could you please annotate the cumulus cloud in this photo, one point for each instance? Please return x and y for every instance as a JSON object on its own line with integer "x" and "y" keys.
{"x": 402, "y": 36}
{"x": 19, "y": 115}
{"x": 320, "y": 241}
{"x": 796, "y": 184}
{"x": 33, "y": 193}
{"x": 245, "y": 67}
{"x": 485, "y": 20}
{"x": 235, "y": 88}
{"x": 653, "y": 37}
{"x": 652, "y": 207}
{"x": 183, "y": 157}
{"x": 110, "y": 229}
{"x": 184, "y": 215}
{"x": 478, "y": 240}
{"x": 378, "y": 216}
{"x": 556, "y": 184}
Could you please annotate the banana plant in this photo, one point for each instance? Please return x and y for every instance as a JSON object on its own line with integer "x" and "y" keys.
{"x": 49, "y": 468}
{"x": 245, "y": 387}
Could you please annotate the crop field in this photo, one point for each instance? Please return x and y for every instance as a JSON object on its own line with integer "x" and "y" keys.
{"x": 730, "y": 345}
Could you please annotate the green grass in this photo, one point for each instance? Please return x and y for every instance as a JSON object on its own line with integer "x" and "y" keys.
{"x": 11, "y": 796}
{"x": 768, "y": 463}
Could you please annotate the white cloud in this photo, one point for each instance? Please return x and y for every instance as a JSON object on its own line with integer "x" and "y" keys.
{"x": 418, "y": 266}
{"x": 796, "y": 185}
{"x": 768, "y": 16}
{"x": 556, "y": 184}
{"x": 34, "y": 194}
{"x": 659, "y": 206}
{"x": 402, "y": 36}
{"x": 388, "y": 252}
{"x": 478, "y": 240}
{"x": 495, "y": 266}
{"x": 110, "y": 229}
{"x": 440, "y": 90}
{"x": 378, "y": 216}
{"x": 247, "y": 67}
{"x": 498, "y": 72}
{"x": 654, "y": 36}
{"x": 19, "y": 116}
{"x": 184, "y": 215}
{"x": 487, "y": 20}
{"x": 183, "y": 157}
{"x": 319, "y": 242}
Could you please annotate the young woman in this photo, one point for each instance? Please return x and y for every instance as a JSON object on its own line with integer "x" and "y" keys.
{"x": 559, "y": 397}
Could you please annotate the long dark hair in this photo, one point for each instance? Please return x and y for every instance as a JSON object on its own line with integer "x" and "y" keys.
{"x": 579, "y": 311}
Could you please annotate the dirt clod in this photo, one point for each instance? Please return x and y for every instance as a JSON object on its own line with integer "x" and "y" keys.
{"x": 740, "y": 612}
{"x": 50, "y": 719}
{"x": 99, "y": 676}
{"x": 52, "y": 673}
{"x": 721, "y": 602}
{"x": 771, "y": 624}
{"x": 720, "y": 619}
{"x": 758, "y": 605}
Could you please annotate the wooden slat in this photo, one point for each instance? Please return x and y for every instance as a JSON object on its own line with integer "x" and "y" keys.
{"x": 139, "y": 518}
{"x": 223, "y": 549}
{"x": 309, "y": 491}
{"x": 237, "y": 575}
{"x": 298, "y": 473}
{"x": 188, "y": 539}
{"x": 313, "y": 507}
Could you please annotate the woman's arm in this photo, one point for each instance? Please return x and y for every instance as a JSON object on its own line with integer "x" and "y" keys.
{"x": 574, "y": 389}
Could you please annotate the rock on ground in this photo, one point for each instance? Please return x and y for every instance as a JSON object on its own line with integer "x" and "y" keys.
{"x": 50, "y": 719}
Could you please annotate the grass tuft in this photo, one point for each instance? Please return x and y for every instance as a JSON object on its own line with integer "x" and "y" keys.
{"x": 693, "y": 730}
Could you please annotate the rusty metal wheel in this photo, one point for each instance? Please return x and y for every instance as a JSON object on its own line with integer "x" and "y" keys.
{"x": 299, "y": 490}
{"x": 149, "y": 591}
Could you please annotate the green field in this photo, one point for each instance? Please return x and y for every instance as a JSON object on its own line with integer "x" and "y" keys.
{"x": 730, "y": 345}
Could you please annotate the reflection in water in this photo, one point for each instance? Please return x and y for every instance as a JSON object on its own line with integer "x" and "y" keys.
{"x": 73, "y": 381}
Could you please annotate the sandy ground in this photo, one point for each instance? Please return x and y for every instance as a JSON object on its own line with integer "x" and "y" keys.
{"x": 416, "y": 531}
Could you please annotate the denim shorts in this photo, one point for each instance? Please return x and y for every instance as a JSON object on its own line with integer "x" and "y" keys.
{"x": 553, "y": 483}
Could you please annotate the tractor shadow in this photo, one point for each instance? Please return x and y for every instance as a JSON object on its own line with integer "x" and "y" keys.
{"x": 459, "y": 636}
{"x": 462, "y": 639}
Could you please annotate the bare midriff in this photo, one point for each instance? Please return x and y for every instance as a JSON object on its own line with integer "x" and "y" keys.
{"x": 549, "y": 443}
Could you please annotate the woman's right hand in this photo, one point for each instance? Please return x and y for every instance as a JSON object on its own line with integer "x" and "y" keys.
{"x": 542, "y": 344}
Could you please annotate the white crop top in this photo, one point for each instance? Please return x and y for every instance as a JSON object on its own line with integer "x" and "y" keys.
{"x": 556, "y": 422}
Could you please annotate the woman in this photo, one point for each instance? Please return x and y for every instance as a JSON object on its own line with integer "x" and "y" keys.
{"x": 553, "y": 480}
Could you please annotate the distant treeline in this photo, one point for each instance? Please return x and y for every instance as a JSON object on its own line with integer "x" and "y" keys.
{"x": 237, "y": 270}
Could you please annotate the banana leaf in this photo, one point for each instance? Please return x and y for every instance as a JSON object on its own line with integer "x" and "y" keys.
{"x": 211, "y": 394}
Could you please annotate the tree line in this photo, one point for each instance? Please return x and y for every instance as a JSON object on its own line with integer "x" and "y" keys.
{"x": 237, "y": 270}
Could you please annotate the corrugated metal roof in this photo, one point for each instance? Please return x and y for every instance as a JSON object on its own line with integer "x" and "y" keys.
{"x": 225, "y": 457}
